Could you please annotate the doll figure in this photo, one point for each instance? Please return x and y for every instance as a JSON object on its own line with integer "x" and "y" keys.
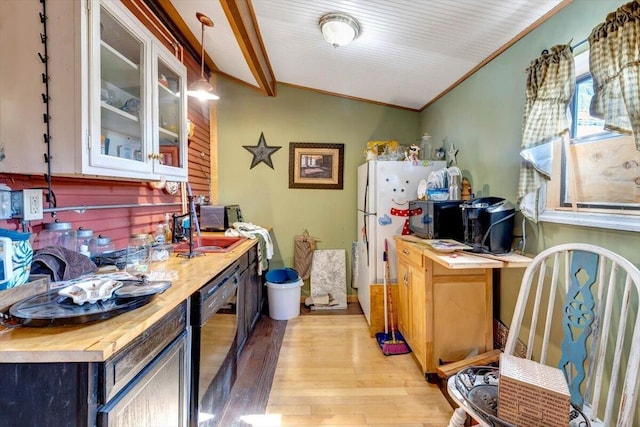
{"x": 412, "y": 154}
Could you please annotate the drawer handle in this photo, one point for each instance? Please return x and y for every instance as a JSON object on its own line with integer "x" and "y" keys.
{"x": 406, "y": 252}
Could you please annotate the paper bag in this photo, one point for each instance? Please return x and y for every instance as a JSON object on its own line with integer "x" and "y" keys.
{"x": 304, "y": 245}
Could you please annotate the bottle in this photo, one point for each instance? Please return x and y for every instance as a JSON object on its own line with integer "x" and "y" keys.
{"x": 158, "y": 237}
{"x": 167, "y": 228}
{"x": 454, "y": 188}
{"x": 86, "y": 239}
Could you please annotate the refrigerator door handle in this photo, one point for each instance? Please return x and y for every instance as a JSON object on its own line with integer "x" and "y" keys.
{"x": 367, "y": 213}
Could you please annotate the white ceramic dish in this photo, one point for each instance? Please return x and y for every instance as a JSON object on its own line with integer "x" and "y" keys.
{"x": 422, "y": 189}
{"x": 91, "y": 291}
{"x": 138, "y": 290}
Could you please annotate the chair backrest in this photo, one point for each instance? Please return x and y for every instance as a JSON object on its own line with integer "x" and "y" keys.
{"x": 579, "y": 303}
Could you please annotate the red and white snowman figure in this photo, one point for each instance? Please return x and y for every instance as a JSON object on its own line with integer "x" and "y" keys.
{"x": 399, "y": 190}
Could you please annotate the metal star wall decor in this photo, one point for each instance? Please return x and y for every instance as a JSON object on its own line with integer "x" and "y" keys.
{"x": 261, "y": 152}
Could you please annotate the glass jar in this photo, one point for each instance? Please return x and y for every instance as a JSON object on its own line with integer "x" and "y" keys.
{"x": 425, "y": 147}
{"x": 58, "y": 234}
{"x": 138, "y": 254}
{"x": 85, "y": 240}
{"x": 102, "y": 245}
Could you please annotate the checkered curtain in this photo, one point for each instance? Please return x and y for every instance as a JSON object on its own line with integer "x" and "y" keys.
{"x": 614, "y": 60}
{"x": 550, "y": 85}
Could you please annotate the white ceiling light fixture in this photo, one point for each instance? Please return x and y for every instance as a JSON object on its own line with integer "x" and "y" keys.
{"x": 202, "y": 89}
{"x": 339, "y": 29}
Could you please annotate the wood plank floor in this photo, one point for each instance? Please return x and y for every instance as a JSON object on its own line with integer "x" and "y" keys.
{"x": 328, "y": 371}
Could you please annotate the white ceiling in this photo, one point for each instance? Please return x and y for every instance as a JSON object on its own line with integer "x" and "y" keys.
{"x": 408, "y": 52}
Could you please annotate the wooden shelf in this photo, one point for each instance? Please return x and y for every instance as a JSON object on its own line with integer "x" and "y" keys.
{"x": 118, "y": 70}
{"x": 119, "y": 121}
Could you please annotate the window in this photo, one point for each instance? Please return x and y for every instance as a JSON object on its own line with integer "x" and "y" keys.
{"x": 597, "y": 180}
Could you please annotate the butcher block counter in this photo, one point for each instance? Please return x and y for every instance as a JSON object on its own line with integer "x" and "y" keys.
{"x": 445, "y": 301}
{"x": 96, "y": 342}
{"x": 129, "y": 370}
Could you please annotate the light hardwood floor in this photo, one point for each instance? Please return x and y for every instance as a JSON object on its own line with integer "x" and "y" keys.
{"x": 331, "y": 372}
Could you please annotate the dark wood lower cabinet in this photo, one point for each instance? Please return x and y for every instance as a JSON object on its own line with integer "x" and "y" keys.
{"x": 144, "y": 384}
{"x": 249, "y": 303}
{"x": 157, "y": 397}
{"x": 134, "y": 387}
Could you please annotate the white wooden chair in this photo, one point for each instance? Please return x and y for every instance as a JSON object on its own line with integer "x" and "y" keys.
{"x": 578, "y": 306}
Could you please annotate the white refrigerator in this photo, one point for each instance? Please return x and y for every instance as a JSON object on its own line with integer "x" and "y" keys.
{"x": 384, "y": 191}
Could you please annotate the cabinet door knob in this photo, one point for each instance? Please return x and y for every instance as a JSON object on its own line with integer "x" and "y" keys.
{"x": 406, "y": 252}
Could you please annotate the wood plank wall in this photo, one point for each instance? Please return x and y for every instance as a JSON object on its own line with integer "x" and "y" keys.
{"x": 120, "y": 223}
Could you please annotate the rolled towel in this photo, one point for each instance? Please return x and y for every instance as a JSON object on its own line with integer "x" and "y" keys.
{"x": 61, "y": 263}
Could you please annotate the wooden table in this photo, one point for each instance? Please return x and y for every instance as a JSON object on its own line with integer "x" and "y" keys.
{"x": 445, "y": 301}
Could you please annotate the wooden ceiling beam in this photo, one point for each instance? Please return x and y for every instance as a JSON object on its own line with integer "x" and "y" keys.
{"x": 165, "y": 10}
{"x": 243, "y": 22}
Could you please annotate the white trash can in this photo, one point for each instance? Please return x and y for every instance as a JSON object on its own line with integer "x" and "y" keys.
{"x": 284, "y": 299}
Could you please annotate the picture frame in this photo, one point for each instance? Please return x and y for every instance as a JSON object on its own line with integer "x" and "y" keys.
{"x": 316, "y": 165}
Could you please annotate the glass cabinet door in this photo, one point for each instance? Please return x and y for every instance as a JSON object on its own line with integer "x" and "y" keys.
{"x": 169, "y": 111}
{"x": 122, "y": 118}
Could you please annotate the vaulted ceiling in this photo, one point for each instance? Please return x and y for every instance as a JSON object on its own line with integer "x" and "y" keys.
{"x": 408, "y": 53}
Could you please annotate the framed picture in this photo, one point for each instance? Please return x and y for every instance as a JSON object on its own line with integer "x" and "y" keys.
{"x": 169, "y": 154}
{"x": 317, "y": 166}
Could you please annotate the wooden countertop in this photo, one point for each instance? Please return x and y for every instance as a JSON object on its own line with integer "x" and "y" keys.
{"x": 461, "y": 259}
{"x": 96, "y": 342}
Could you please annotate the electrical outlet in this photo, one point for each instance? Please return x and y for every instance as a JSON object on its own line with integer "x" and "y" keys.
{"x": 27, "y": 204}
{"x": 33, "y": 204}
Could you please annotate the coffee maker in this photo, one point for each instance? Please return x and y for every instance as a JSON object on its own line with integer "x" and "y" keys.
{"x": 488, "y": 224}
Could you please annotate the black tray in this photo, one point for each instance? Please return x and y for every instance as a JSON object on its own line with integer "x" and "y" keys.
{"x": 52, "y": 309}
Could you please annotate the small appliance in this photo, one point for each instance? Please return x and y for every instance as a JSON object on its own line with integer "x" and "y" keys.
{"x": 16, "y": 255}
{"x": 432, "y": 219}
{"x": 488, "y": 224}
{"x": 219, "y": 218}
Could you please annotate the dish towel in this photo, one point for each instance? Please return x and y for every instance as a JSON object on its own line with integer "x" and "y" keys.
{"x": 251, "y": 231}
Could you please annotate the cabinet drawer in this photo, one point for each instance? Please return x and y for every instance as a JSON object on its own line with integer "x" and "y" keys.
{"x": 244, "y": 262}
{"x": 116, "y": 372}
{"x": 156, "y": 397}
{"x": 253, "y": 255}
{"x": 409, "y": 253}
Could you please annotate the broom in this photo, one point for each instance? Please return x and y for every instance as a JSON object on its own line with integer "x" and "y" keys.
{"x": 390, "y": 343}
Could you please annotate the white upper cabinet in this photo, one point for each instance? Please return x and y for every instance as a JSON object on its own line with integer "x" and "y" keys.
{"x": 117, "y": 102}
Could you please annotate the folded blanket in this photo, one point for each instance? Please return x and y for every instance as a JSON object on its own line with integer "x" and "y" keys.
{"x": 61, "y": 263}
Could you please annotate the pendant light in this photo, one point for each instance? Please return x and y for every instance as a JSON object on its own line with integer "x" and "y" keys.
{"x": 202, "y": 89}
{"x": 339, "y": 29}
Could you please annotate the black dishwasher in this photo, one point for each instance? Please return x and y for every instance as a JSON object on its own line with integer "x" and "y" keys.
{"x": 214, "y": 321}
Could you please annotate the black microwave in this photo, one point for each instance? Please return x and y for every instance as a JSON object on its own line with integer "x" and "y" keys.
{"x": 432, "y": 219}
{"x": 219, "y": 218}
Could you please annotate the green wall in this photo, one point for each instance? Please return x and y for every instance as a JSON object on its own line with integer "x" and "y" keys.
{"x": 483, "y": 118}
{"x": 297, "y": 115}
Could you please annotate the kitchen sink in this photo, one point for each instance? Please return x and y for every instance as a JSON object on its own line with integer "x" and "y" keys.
{"x": 210, "y": 244}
